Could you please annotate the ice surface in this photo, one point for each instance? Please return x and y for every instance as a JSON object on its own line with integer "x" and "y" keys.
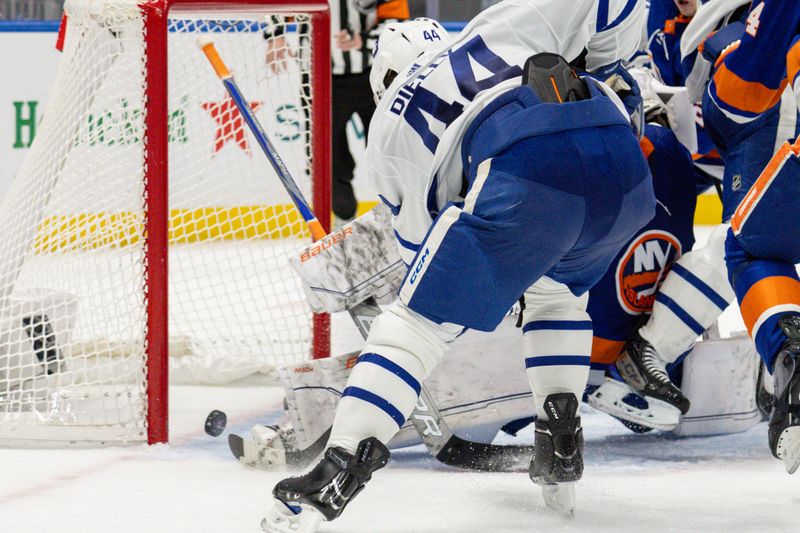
{"x": 633, "y": 483}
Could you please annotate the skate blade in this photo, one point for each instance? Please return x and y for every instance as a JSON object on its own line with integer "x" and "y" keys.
{"x": 281, "y": 519}
{"x": 788, "y": 448}
{"x": 560, "y": 498}
{"x": 659, "y": 414}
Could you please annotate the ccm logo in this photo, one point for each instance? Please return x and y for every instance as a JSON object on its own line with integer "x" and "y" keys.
{"x": 324, "y": 244}
{"x": 420, "y": 265}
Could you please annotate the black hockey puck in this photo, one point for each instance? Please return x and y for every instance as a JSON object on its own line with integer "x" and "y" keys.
{"x": 216, "y": 422}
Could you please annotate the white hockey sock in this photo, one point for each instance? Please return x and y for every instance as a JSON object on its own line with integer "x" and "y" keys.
{"x": 557, "y": 340}
{"x": 401, "y": 351}
{"x": 690, "y": 300}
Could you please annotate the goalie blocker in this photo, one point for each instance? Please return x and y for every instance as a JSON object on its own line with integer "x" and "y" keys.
{"x": 347, "y": 267}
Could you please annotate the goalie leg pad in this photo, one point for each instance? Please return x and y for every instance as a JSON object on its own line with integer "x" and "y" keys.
{"x": 401, "y": 350}
{"x": 557, "y": 341}
{"x": 720, "y": 377}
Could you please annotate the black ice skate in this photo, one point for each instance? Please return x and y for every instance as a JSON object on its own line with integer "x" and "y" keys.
{"x": 303, "y": 502}
{"x": 642, "y": 368}
{"x": 558, "y": 460}
{"x": 765, "y": 394}
{"x": 784, "y": 424}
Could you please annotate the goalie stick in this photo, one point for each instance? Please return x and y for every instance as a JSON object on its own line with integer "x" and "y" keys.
{"x": 429, "y": 423}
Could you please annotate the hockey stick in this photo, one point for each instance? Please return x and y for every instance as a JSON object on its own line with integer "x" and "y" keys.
{"x": 206, "y": 44}
{"x": 429, "y": 423}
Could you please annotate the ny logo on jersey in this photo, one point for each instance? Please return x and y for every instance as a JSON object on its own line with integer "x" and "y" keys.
{"x": 642, "y": 268}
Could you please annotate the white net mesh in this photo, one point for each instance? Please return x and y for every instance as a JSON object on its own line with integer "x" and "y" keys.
{"x": 73, "y": 267}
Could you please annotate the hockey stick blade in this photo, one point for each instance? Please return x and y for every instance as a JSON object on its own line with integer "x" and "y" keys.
{"x": 486, "y": 457}
{"x": 236, "y": 445}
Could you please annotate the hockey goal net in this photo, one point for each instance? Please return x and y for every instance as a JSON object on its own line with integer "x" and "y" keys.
{"x": 145, "y": 230}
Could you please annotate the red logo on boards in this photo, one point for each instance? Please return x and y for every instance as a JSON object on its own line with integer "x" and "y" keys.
{"x": 230, "y": 123}
{"x": 643, "y": 267}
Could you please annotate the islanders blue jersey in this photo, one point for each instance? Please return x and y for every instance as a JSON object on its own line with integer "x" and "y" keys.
{"x": 752, "y": 74}
{"x": 707, "y": 158}
{"x": 665, "y": 50}
{"x": 660, "y": 11}
{"x": 628, "y": 289}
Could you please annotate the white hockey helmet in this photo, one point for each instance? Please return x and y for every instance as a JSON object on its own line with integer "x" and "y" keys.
{"x": 399, "y": 44}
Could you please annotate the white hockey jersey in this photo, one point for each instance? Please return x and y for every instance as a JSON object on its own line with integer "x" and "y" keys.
{"x": 414, "y": 149}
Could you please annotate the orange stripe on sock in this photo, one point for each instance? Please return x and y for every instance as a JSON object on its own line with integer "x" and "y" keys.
{"x": 749, "y": 96}
{"x": 765, "y": 294}
{"x": 605, "y": 351}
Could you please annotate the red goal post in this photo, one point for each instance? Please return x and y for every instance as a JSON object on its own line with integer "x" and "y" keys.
{"x": 156, "y": 15}
{"x": 143, "y": 238}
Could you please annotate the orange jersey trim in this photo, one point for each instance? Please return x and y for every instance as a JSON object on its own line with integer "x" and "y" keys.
{"x": 713, "y": 154}
{"x": 702, "y": 45}
{"x": 728, "y": 49}
{"x": 605, "y": 351}
{"x": 671, "y": 25}
{"x": 793, "y": 61}
{"x": 396, "y": 9}
{"x": 647, "y": 147}
{"x": 749, "y": 96}
{"x": 757, "y": 190}
{"x": 765, "y": 294}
